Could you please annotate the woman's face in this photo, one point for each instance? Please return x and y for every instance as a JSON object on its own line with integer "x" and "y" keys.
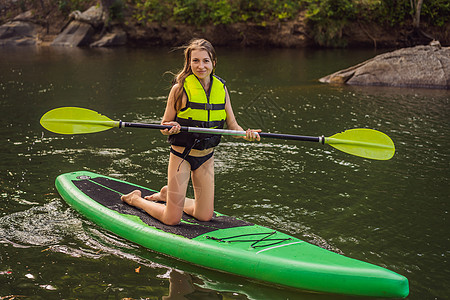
{"x": 201, "y": 64}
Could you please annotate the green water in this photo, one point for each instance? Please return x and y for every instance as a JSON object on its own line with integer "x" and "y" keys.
{"x": 390, "y": 213}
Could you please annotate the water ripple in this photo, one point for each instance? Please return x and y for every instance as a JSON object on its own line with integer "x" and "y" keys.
{"x": 38, "y": 226}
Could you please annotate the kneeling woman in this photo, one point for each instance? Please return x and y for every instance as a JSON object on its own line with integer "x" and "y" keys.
{"x": 198, "y": 98}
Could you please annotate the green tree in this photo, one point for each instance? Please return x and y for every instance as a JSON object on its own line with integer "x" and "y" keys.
{"x": 327, "y": 19}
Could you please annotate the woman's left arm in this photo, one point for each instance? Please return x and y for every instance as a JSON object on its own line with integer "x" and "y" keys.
{"x": 232, "y": 124}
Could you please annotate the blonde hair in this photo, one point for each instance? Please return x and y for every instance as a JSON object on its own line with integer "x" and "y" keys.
{"x": 195, "y": 44}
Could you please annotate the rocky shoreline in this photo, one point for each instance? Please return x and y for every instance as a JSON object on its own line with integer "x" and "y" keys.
{"x": 420, "y": 66}
{"x": 88, "y": 28}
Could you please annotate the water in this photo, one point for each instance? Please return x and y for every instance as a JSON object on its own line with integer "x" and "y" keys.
{"x": 390, "y": 213}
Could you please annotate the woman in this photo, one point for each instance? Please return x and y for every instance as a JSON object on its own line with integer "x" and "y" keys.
{"x": 198, "y": 98}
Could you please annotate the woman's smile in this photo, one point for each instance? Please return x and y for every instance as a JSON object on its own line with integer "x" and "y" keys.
{"x": 201, "y": 64}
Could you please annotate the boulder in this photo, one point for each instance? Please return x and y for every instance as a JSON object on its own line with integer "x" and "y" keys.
{"x": 91, "y": 16}
{"x": 21, "y": 31}
{"x": 80, "y": 29}
{"x": 76, "y": 34}
{"x": 87, "y": 29}
{"x": 118, "y": 38}
{"x": 420, "y": 66}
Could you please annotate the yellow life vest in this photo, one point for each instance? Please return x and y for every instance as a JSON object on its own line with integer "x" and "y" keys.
{"x": 202, "y": 107}
{"x": 206, "y": 110}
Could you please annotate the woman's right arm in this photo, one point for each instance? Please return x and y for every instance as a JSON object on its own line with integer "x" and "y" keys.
{"x": 170, "y": 114}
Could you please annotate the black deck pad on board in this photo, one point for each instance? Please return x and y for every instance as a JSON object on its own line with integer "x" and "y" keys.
{"x": 107, "y": 192}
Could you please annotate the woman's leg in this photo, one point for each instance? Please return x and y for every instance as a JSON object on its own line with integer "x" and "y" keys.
{"x": 202, "y": 208}
{"x": 177, "y": 182}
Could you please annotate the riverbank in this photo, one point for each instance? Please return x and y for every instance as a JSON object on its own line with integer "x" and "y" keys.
{"x": 49, "y": 20}
{"x": 290, "y": 34}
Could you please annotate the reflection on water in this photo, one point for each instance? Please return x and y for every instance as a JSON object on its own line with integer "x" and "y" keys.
{"x": 391, "y": 213}
{"x": 182, "y": 287}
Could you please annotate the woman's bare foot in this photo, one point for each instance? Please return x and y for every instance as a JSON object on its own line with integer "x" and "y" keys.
{"x": 131, "y": 197}
{"x": 161, "y": 196}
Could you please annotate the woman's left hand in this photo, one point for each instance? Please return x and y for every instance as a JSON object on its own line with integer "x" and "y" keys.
{"x": 252, "y": 135}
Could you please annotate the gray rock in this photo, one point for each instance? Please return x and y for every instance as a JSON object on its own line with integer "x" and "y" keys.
{"x": 25, "y": 16}
{"x": 80, "y": 29}
{"x": 420, "y": 66}
{"x": 76, "y": 34}
{"x": 111, "y": 40}
{"x": 18, "y": 33}
{"x": 84, "y": 29}
{"x": 91, "y": 16}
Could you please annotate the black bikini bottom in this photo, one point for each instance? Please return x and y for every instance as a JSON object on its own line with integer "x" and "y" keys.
{"x": 194, "y": 161}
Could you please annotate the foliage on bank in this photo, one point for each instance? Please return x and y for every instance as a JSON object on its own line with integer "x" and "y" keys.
{"x": 220, "y": 12}
{"x": 326, "y": 18}
{"x": 203, "y": 12}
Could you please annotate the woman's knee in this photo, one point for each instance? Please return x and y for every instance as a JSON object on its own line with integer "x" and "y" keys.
{"x": 205, "y": 217}
{"x": 173, "y": 217}
{"x": 171, "y": 221}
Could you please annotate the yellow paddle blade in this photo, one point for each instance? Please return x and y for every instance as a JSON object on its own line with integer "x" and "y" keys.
{"x": 76, "y": 120}
{"x": 363, "y": 142}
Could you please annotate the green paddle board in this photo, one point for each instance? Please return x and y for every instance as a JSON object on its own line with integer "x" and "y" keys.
{"x": 227, "y": 244}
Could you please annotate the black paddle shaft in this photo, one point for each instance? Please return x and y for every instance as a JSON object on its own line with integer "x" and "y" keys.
{"x": 150, "y": 126}
{"x": 290, "y": 137}
{"x": 261, "y": 134}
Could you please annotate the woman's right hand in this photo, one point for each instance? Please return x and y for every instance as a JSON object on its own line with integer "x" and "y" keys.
{"x": 176, "y": 128}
